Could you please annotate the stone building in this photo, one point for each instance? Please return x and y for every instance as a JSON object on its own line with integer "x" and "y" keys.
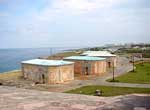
{"x": 111, "y": 59}
{"x": 86, "y": 65}
{"x": 48, "y": 71}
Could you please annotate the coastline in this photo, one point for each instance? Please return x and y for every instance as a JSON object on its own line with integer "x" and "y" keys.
{"x": 57, "y": 56}
{"x": 14, "y": 74}
{"x": 17, "y": 70}
{"x": 11, "y": 58}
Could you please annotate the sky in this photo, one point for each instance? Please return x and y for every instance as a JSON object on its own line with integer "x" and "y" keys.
{"x": 73, "y": 23}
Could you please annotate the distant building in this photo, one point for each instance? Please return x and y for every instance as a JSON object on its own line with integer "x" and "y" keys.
{"x": 48, "y": 71}
{"x": 111, "y": 59}
{"x": 86, "y": 65}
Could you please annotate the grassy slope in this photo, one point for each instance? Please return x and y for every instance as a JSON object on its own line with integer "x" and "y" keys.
{"x": 11, "y": 75}
{"x": 141, "y": 75}
{"x": 109, "y": 90}
{"x": 64, "y": 54}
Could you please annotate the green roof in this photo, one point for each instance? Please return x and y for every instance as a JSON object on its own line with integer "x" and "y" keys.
{"x": 86, "y": 58}
{"x": 44, "y": 62}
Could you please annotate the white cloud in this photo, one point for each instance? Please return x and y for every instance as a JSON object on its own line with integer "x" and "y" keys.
{"x": 83, "y": 6}
{"x": 98, "y": 17}
{"x": 58, "y": 8}
{"x": 61, "y": 8}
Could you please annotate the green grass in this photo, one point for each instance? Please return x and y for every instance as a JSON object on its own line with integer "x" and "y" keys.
{"x": 141, "y": 75}
{"x": 108, "y": 90}
{"x": 146, "y": 52}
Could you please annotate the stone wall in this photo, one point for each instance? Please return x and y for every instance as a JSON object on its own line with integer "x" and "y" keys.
{"x": 45, "y": 74}
{"x": 78, "y": 67}
{"x": 35, "y": 73}
{"x": 110, "y": 61}
{"x": 93, "y": 67}
{"x": 99, "y": 67}
{"x": 61, "y": 74}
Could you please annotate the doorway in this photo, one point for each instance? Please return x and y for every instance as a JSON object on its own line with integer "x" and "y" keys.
{"x": 109, "y": 64}
{"x": 43, "y": 79}
{"x": 86, "y": 71}
{"x": 86, "y": 68}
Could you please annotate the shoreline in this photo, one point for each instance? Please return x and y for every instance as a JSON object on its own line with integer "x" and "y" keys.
{"x": 56, "y": 56}
{"x": 7, "y": 72}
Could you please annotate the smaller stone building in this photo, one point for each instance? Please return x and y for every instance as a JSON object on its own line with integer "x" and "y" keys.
{"x": 48, "y": 71}
{"x": 111, "y": 59}
{"x": 86, "y": 65}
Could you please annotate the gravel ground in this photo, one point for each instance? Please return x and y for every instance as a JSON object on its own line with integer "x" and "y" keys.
{"x": 12, "y": 98}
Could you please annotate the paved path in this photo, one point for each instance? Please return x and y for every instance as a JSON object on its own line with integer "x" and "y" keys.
{"x": 123, "y": 67}
{"x": 12, "y": 98}
{"x": 119, "y": 71}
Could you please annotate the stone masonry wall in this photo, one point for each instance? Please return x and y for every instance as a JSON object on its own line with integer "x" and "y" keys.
{"x": 111, "y": 60}
{"x": 96, "y": 67}
{"x": 34, "y": 72}
{"x": 45, "y": 74}
{"x": 60, "y": 74}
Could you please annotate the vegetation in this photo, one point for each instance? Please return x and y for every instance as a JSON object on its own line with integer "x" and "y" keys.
{"x": 64, "y": 54}
{"x": 108, "y": 90}
{"x": 146, "y": 55}
{"x": 96, "y": 49}
{"x": 141, "y": 75}
{"x": 67, "y": 54}
{"x": 145, "y": 52}
{"x": 11, "y": 75}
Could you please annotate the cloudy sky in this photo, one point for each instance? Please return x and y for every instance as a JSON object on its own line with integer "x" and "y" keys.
{"x": 73, "y": 23}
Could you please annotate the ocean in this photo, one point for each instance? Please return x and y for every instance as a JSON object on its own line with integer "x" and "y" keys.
{"x": 10, "y": 59}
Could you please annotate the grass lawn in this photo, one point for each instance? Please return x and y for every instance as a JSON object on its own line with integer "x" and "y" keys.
{"x": 109, "y": 90}
{"x": 141, "y": 75}
{"x": 11, "y": 75}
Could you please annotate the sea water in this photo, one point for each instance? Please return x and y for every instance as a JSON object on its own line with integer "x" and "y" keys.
{"x": 10, "y": 59}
